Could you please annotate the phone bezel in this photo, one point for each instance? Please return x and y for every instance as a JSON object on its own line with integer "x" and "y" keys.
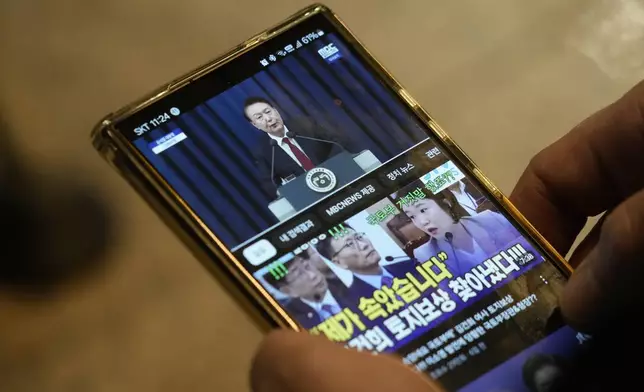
{"x": 210, "y": 251}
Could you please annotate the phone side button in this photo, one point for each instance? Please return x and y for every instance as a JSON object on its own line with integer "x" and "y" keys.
{"x": 496, "y": 192}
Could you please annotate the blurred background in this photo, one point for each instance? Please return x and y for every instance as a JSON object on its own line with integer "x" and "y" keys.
{"x": 113, "y": 301}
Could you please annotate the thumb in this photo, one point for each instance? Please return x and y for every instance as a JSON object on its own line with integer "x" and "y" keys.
{"x": 296, "y": 361}
{"x": 606, "y": 282}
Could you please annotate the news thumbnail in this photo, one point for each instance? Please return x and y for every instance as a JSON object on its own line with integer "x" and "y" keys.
{"x": 366, "y": 286}
{"x": 456, "y": 218}
{"x": 548, "y": 366}
{"x": 265, "y": 149}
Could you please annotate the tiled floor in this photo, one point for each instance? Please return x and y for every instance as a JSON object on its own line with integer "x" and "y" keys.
{"x": 504, "y": 77}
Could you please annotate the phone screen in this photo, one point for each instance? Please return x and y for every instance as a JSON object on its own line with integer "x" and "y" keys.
{"x": 354, "y": 219}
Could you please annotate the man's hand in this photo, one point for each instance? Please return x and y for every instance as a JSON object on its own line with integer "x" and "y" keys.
{"x": 597, "y": 167}
{"x": 292, "y": 362}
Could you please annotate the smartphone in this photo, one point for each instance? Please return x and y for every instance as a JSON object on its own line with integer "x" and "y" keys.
{"x": 312, "y": 184}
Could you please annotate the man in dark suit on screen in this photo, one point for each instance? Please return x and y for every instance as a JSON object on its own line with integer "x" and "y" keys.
{"x": 355, "y": 252}
{"x": 294, "y": 152}
{"x": 312, "y": 299}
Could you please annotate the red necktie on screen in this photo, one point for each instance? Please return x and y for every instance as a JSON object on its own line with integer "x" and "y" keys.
{"x": 301, "y": 157}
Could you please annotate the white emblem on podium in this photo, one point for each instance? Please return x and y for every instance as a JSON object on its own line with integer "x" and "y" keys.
{"x": 321, "y": 180}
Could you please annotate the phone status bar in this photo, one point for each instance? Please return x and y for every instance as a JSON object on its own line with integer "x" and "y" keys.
{"x": 290, "y": 48}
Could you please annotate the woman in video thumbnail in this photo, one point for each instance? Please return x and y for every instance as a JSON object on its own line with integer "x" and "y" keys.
{"x": 467, "y": 239}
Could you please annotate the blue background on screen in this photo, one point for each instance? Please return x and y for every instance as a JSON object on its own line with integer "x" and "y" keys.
{"x": 213, "y": 169}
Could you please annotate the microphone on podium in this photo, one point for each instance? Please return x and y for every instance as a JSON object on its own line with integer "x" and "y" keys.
{"x": 392, "y": 258}
{"x": 273, "y": 144}
{"x": 293, "y": 135}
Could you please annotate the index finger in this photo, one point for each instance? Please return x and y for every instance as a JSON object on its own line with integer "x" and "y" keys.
{"x": 588, "y": 171}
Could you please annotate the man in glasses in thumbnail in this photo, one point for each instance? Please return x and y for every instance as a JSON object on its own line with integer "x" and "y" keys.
{"x": 311, "y": 298}
{"x": 294, "y": 152}
{"x": 315, "y": 259}
{"x": 354, "y": 251}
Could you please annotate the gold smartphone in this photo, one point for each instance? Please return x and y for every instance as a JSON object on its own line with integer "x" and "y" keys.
{"x": 326, "y": 199}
